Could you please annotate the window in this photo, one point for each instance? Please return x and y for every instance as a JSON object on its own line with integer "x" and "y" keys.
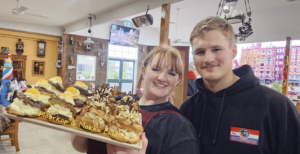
{"x": 269, "y": 52}
{"x": 294, "y": 50}
{"x": 280, "y": 63}
{"x": 86, "y": 68}
{"x": 298, "y": 62}
{"x": 298, "y": 69}
{"x": 269, "y": 61}
{"x": 298, "y": 56}
{"x": 292, "y": 62}
{"x": 293, "y": 56}
{"x": 122, "y": 52}
{"x": 268, "y": 71}
{"x": 298, "y": 77}
{"x": 291, "y": 69}
{"x": 282, "y": 50}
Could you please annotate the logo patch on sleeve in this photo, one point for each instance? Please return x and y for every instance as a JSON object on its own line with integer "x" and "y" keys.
{"x": 244, "y": 135}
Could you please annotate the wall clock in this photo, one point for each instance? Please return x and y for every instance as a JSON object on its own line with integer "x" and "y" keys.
{"x": 20, "y": 47}
{"x": 41, "y": 48}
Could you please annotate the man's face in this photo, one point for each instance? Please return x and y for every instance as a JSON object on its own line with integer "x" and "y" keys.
{"x": 213, "y": 55}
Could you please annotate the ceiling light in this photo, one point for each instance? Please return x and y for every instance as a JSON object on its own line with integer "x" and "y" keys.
{"x": 144, "y": 20}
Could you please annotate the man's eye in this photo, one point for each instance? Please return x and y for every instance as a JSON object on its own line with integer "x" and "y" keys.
{"x": 154, "y": 69}
{"x": 173, "y": 74}
{"x": 215, "y": 50}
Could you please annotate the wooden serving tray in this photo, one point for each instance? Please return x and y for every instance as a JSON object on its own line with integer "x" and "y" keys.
{"x": 77, "y": 131}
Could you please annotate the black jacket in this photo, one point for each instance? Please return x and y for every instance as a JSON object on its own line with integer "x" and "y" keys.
{"x": 246, "y": 106}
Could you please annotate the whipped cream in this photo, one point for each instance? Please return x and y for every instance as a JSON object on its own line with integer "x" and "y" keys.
{"x": 57, "y": 109}
{"x": 24, "y": 109}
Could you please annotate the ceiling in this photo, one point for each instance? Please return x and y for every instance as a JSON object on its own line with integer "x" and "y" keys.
{"x": 60, "y": 12}
{"x": 272, "y": 20}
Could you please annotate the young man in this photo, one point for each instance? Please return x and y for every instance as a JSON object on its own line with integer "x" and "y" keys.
{"x": 232, "y": 112}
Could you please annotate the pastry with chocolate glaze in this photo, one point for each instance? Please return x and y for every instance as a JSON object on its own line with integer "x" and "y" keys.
{"x": 62, "y": 106}
{"x": 78, "y": 99}
{"x": 56, "y": 84}
{"x": 126, "y": 122}
{"x": 83, "y": 89}
{"x": 28, "y": 104}
{"x": 45, "y": 90}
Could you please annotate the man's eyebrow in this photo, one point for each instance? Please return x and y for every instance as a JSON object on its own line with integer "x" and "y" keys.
{"x": 196, "y": 49}
{"x": 216, "y": 46}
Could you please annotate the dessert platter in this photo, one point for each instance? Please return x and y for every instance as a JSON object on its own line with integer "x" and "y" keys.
{"x": 74, "y": 110}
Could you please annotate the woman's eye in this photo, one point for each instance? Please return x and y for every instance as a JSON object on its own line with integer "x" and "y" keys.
{"x": 200, "y": 52}
{"x": 154, "y": 69}
{"x": 215, "y": 50}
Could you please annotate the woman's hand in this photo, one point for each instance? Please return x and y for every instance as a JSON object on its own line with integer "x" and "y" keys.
{"x": 113, "y": 149}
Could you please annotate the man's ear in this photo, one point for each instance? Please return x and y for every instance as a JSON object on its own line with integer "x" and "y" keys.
{"x": 179, "y": 80}
{"x": 234, "y": 50}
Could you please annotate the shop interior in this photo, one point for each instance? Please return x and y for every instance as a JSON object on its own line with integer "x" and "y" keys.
{"x": 98, "y": 42}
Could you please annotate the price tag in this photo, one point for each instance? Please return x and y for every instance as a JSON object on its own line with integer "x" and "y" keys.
{"x": 71, "y": 67}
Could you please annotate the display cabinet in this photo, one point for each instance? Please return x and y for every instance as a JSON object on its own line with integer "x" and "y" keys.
{"x": 18, "y": 63}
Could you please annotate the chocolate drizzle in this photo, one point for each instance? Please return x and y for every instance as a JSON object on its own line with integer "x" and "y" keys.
{"x": 44, "y": 90}
{"x": 57, "y": 86}
{"x": 61, "y": 116}
{"x": 78, "y": 103}
{"x": 30, "y": 101}
{"x": 83, "y": 91}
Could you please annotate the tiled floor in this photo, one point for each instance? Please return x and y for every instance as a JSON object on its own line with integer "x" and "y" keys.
{"x": 34, "y": 139}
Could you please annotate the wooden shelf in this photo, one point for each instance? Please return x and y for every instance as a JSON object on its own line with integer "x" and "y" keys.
{"x": 15, "y": 58}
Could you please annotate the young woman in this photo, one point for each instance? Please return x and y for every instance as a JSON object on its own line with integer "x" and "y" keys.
{"x": 166, "y": 133}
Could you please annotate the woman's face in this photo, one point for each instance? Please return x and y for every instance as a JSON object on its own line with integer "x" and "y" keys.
{"x": 159, "y": 81}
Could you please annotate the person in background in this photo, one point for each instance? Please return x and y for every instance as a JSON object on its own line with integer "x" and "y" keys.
{"x": 192, "y": 89}
{"x": 232, "y": 112}
{"x": 167, "y": 132}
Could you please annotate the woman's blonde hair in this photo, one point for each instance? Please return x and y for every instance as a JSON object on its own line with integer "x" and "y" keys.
{"x": 169, "y": 55}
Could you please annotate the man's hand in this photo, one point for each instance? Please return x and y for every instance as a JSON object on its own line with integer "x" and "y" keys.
{"x": 113, "y": 149}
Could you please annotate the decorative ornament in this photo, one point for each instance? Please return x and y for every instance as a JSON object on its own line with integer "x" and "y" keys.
{"x": 70, "y": 76}
{"x": 20, "y": 47}
{"x": 99, "y": 53}
{"x": 71, "y": 60}
{"x": 79, "y": 43}
{"x": 234, "y": 16}
{"x": 41, "y": 49}
{"x": 102, "y": 45}
{"x": 74, "y": 49}
{"x": 5, "y": 50}
{"x": 71, "y": 40}
{"x": 144, "y": 49}
{"x": 88, "y": 44}
{"x": 6, "y": 90}
{"x": 102, "y": 61}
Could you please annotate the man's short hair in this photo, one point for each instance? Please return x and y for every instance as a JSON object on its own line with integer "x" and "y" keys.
{"x": 214, "y": 23}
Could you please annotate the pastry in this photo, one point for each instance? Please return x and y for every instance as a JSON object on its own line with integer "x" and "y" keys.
{"x": 78, "y": 99}
{"x": 62, "y": 107}
{"x": 126, "y": 122}
{"x": 83, "y": 89}
{"x": 45, "y": 90}
{"x": 56, "y": 84}
{"x": 28, "y": 104}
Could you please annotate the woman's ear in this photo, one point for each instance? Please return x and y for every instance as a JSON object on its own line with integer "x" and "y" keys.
{"x": 143, "y": 70}
{"x": 179, "y": 80}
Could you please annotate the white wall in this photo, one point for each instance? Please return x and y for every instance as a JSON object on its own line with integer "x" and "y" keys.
{"x": 42, "y": 29}
{"x": 148, "y": 35}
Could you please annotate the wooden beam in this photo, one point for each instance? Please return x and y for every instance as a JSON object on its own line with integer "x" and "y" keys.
{"x": 164, "y": 24}
{"x": 64, "y": 60}
{"x": 286, "y": 70}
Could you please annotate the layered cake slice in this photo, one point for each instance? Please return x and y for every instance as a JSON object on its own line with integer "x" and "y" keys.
{"x": 126, "y": 127}
{"x": 45, "y": 90}
{"x": 56, "y": 84}
{"x": 28, "y": 104}
{"x": 62, "y": 107}
{"x": 78, "y": 99}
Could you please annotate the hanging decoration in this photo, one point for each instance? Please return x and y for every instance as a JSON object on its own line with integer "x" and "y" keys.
{"x": 88, "y": 44}
{"x": 102, "y": 61}
{"x": 234, "y": 16}
{"x": 71, "y": 40}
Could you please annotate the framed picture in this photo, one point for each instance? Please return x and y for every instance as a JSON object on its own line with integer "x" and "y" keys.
{"x": 5, "y": 50}
{"x": 38, "y": 68}
{"x": 41, "y": 50}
